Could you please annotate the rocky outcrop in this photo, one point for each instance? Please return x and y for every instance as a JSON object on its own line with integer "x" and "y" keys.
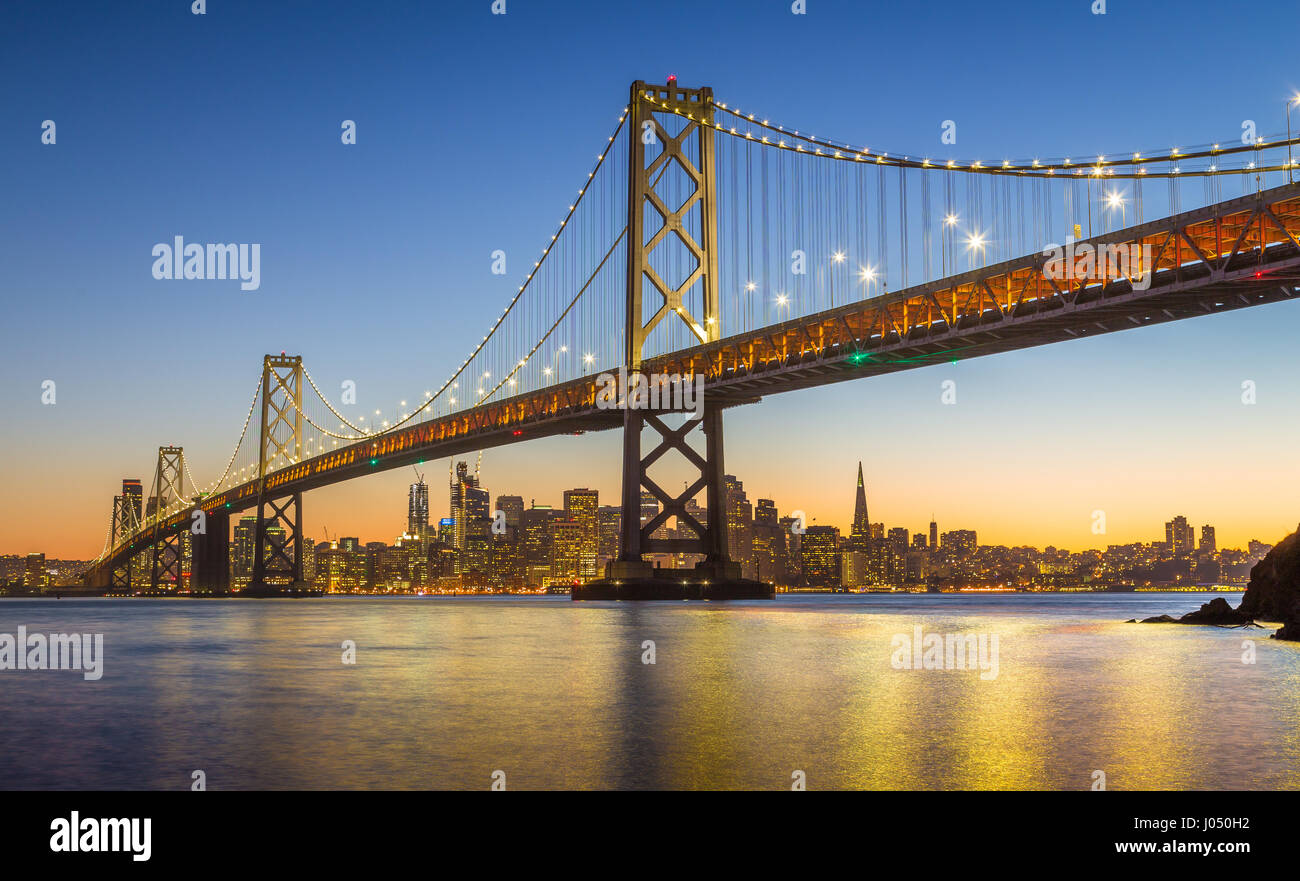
{"x": 1274, "y": 588}
{"x": 1273, "y": 594}
{"x": 1216, "y": 611}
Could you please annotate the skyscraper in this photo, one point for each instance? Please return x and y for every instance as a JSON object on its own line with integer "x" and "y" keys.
{"x": 1180, "y": 536}
{"x": 417, "y": 510}
{"x": 513, "y": 508}
{"x": 1208, "y": 543}
{"x": 769, "y": 543}
{"x": 36, "y": 576}
{"x": 241, "y": 552}
{"x": 469, "y": 503}
{"x": 820, "y": 558}
{"x": 609, "y": 520}
{"x": 861, "y": 530}
{"x": 740, "y": 516}
{"x": 580, "y": 506}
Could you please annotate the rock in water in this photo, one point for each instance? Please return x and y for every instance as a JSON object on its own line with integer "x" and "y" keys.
{"x": 1216, "y": 611}
{"x": 1289, "y": 631}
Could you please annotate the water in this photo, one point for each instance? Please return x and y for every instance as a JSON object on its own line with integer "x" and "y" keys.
{"x": 446, "y": 691}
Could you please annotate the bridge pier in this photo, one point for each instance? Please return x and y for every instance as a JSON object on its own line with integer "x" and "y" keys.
{"x": 212, "y": 556}
{"x": 717, "y": 576}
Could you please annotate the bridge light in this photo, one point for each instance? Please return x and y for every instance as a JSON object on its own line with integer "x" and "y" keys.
{"x": 750, "y": 286}
{"x": 950, "y": 220}
{"x": 839, "y": 256}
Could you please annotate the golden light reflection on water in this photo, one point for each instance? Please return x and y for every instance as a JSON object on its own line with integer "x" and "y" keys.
{"x": 555, "y": 695}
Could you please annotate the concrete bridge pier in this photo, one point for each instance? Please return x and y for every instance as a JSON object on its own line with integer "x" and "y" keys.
{"x": 212, "y": 556}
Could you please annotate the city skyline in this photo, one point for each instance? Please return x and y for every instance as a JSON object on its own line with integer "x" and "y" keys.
{"x": 571, "y": 543}
{"x": 375, "y": 523}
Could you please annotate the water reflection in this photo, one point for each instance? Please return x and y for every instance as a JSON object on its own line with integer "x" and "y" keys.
{"x": 555, "y": 694}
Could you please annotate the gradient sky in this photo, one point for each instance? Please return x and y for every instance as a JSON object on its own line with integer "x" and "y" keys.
{"x": 473, "y": 131}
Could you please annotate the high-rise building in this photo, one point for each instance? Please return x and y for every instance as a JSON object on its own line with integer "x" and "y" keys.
{"x": 934, "y": 536}
{"x": 897, "y": 540}
{"x": 1180, "y": 537}
{"x": 1208, "y": 543}
{"x": 793, "y": 548}
{"x": 536, "y": 526}
{"x": 340, "y": 567}
{"x": 566, "y": 552}
{"x": 854, "y": 570}
{"x": 609, "y": 522}
{"x": 241, "y": 552}
{"x": 471, "y": 521}
{"x": 740, "y": 517}
{"x": 861, "y": 530}
{"x": 513, "y": 509}
{"x": 580, "y": 506}
{"x": 36, "y": 577}
{"x": 308, "y": 560}
{"x": 417, "y": 509}
{"x": 469, "y": 502}
{"x": 959, "y": 544}
{"x": 820, "y": 559}
{"x": 769, "y": 544}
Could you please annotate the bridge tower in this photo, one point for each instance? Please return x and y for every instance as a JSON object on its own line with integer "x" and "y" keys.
{"x": 652, "y": 300}
{"x": 277, "y": 545}
{"x": 168, "y": 549}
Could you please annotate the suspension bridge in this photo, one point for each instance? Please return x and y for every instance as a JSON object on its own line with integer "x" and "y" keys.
{"x": 707, "y": 240}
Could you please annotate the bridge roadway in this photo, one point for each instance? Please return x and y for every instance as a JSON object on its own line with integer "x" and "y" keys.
{"x": 1232, "y": 255}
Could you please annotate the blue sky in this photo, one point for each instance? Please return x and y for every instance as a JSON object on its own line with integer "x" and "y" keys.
{"x": 473, "y": 130}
